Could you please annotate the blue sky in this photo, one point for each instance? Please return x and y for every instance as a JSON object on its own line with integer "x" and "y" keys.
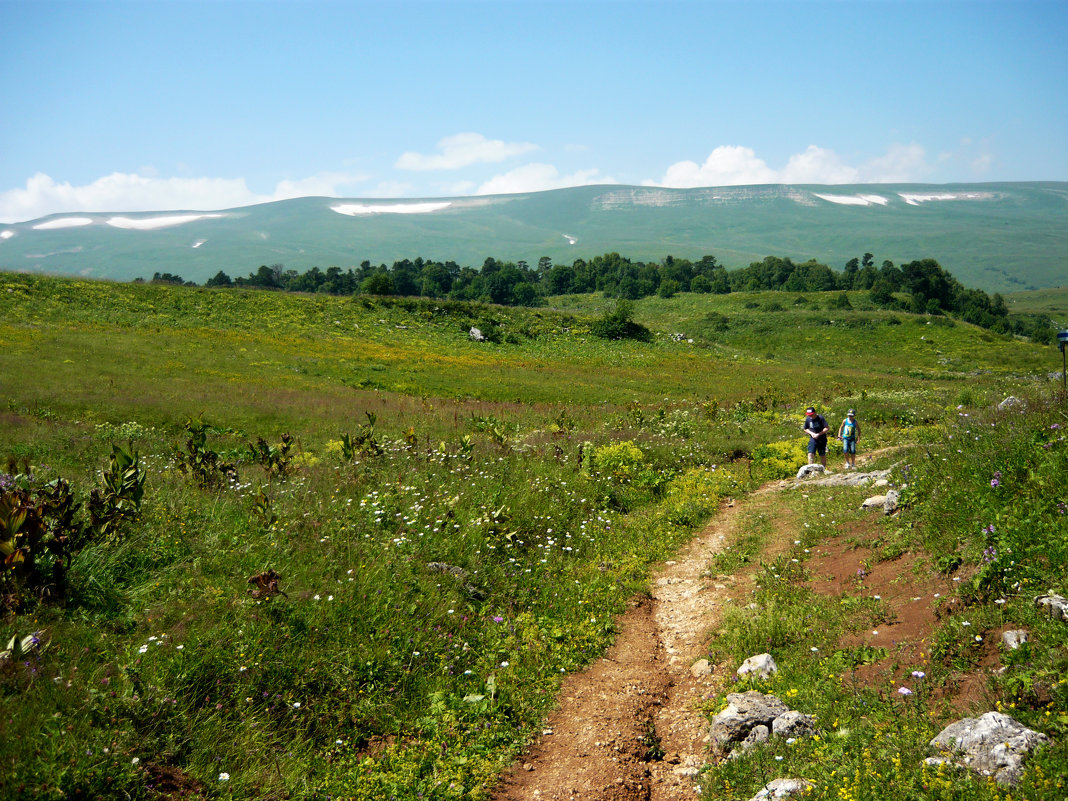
{"x": 210, "y": 104}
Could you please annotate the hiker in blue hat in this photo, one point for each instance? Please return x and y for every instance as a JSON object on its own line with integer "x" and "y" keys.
{"x": 849, "y": 433}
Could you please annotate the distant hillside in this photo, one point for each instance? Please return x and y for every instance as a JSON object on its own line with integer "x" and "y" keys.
{"x": 997, "y": 237}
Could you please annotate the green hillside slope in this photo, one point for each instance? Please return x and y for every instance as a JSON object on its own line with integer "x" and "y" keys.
{"x": 260, "y": 545}
{"x": 997, "y": 237}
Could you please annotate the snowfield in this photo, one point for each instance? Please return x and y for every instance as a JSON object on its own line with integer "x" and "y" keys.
{"x": 63, "y": 222}
{"x": 854, "y": 200}
{"x": 150, "y": 223}
{"x": 916, "y": 199}
{"x": 363, "y": 209}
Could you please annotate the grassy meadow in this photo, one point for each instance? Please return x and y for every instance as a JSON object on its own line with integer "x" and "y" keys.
{"x": 337, "y": 549}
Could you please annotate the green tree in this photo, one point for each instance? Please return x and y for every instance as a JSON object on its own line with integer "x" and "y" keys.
{"x": 668, "y": 288}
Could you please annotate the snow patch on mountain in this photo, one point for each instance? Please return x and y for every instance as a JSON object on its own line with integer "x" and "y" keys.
{"x": 915, "y": 199}
{"x": 366, "y": 209}
{"x": 151, "y": 223}
{"x": 62, "y": 222}
{"x": 854, "y": 200}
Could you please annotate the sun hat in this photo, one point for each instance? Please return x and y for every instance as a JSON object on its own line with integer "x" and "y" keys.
{"x": 810, "y": 410}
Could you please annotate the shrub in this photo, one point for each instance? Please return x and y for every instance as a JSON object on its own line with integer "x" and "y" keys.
{"x": 618, "y": 324}
{"x": 621, "y": 460}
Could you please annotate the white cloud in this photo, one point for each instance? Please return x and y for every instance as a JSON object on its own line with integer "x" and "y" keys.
{"x": 125, "y": 192}
{"x": 901, "y": 164}
{"x": 734, "y": 165}
{"x": 463, "y": 150}
{"x": 537, "y": 178}
{"x": 818, "y": 165}
{"x": 727, "y": 165}
{"x": 982, "y": 164}
{"x": 325, "y": 184}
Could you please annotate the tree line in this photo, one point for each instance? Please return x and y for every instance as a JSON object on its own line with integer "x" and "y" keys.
{"x": 921, "y": 286}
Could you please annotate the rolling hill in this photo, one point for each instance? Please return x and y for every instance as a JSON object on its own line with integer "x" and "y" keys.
{"x": 998, "y": 237}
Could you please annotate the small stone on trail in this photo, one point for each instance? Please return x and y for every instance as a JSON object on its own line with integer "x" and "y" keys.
{"x": 810, "y": 470}
{"x": 1014, "y": 639}
{"x": 702, "y": 667}
{"x": 874, "y": 501}
{"x": 760, "y": 666}
{"x": 782, "y": 788}
{"x": 1054, "y": 605}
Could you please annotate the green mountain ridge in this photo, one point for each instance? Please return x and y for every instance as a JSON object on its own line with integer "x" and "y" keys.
{"x": 996, "y": 236}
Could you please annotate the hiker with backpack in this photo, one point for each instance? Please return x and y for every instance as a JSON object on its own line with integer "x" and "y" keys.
{"x": 848, "y": 433}
{"x": 816, "y": 428}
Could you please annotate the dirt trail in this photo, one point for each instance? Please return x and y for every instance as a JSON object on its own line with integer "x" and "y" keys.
{"x": 645, "y": 692}
{"x": 642, "y": 695}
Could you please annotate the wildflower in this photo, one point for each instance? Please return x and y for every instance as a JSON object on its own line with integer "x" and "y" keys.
{"x": 918, "y": 674}
{"x": 135, "y": 761}
{"x": 224, "y": 777}
{"x": 994, "y": 482}
{"x": 498, "y": 619}
{"x": 904, "y": 691}
{"x": 296, "y": 704}
{"x": 142, "y": 649}
{"x": 504, "y": 664}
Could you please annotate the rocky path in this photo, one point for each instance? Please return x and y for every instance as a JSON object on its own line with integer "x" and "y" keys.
{"x": 629, "y": 727}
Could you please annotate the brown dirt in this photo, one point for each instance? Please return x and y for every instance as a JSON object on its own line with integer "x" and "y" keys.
{"x": 649, "y": 688}
{"x": 642, "y": 695}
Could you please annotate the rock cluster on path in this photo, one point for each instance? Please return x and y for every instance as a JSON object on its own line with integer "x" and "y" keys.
{"x": 888, "y": 502}
{"x": 849, "y": 478}
{"x": 992, "y": 745}
{"x": 752, "y": 717}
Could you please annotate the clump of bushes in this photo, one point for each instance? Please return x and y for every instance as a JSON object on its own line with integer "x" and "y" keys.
{"x": 619, "y": 324}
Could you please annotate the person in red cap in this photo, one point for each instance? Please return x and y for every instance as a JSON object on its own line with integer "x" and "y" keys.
{"x": 817, "y": 429}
